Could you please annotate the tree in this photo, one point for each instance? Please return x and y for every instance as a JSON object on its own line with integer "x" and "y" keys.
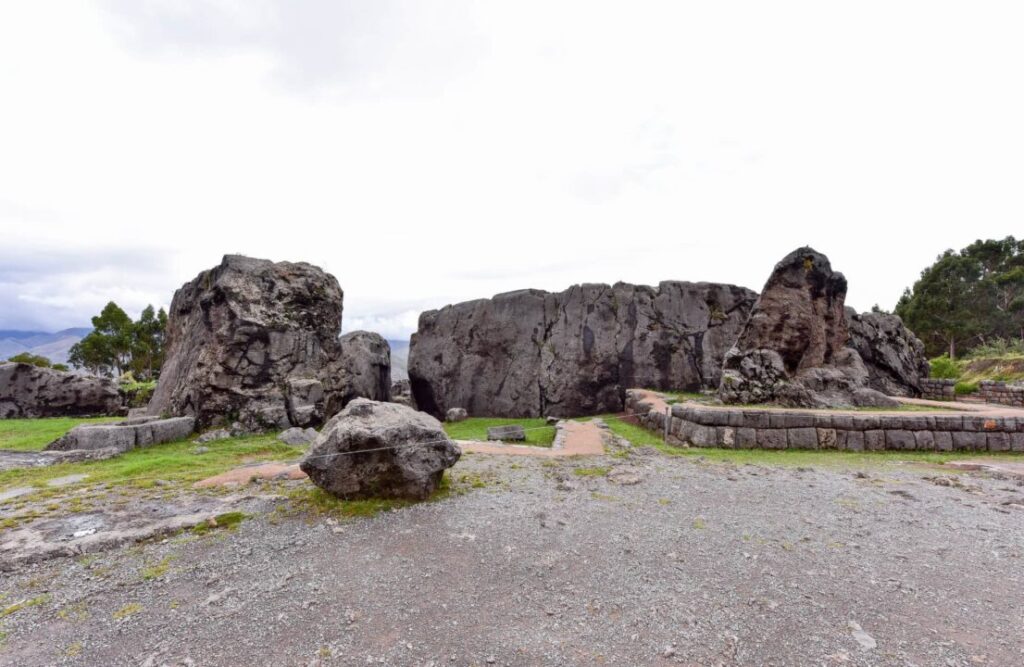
{"x": 116, "y": 344}
{"x": 148, "y": 343}
{"x": 967, "y": 297}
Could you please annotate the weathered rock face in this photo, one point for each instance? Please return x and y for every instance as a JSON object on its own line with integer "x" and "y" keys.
{"x": 533, "y": 353}
{"x": 792, "y": 350}
{"x": 893, "y": 355}
{"x": 257, "y": 342}
{"x": 121, "y": 437}
{"x": 401, "y": 393}
{"x": 30, "y": 391}
{"x": 366, "y": 362}
{"x": 380, "y": 450}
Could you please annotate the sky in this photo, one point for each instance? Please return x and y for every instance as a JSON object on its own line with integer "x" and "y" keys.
{"x": 431, "y": 152}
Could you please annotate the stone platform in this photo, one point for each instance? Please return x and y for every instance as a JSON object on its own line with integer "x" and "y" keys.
{"x": 980, "y": 428}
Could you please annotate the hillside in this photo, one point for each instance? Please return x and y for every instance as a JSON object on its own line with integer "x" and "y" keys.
{"x": 53, "y": 346}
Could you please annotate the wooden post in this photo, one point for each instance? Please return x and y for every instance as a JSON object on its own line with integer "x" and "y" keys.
{"x": 668, "y": 421}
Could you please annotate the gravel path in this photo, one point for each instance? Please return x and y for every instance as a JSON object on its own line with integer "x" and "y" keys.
{"x": 649, "y": 560}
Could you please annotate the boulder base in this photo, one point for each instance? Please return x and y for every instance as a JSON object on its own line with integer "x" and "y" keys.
{"x": 380, "y": 450}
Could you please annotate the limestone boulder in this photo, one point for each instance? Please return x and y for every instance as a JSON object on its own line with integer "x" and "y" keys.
{"x": 366, "y": 364}
{"x": 380, "y": 450}
{"x": 893, "y": 355}
{"x": 456, "y": 415}
{"x": 793, "y": 348}
{"x": 27, "y": 391}
{"x": 124, "y": 436}
{"x": 257, "y": 342}
{"x": 532, "y": 353}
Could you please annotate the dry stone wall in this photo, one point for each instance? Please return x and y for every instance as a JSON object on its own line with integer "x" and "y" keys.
{"x": 1001, "y": 393}
{"x": 938, "y": 390}
{"x": 752, "y": 428}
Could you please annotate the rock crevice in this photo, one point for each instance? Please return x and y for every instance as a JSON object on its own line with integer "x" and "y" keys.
{"x": 534, "y": 353}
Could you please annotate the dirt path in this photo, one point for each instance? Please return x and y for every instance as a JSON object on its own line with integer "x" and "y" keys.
{"x": 573, "y": 439}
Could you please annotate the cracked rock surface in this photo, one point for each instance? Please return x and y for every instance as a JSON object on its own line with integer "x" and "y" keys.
{"x": 534, "y": 353}
{"x": 257, "y": 341}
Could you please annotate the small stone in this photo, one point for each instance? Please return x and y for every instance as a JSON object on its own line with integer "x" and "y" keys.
{"x": 866, "y": 641}
{"x": 456, "y": 415}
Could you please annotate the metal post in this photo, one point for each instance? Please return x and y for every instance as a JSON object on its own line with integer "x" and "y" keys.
{"x": 668, "y": 421}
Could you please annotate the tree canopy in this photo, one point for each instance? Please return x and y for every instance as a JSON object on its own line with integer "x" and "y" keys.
{"x": 968, "y": 297}
{"x": 117, "y": 344}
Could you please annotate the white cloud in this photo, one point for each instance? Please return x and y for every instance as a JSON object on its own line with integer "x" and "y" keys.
{"x": 431, "y": 152}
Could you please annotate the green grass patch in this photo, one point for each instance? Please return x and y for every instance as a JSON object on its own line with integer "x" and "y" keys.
{"x": 538, "y": 432}
{"x": 24, "y": 604}
{"x": 681, "y": 396}
{"x": 172, "y": 462}
{"x": 129, "y": 609}
{"x": 225, "y": 521}
{"x": 596, "y": 471}
{"x": 317, "y": 502}
{"x": 157, "y": 570}
{"x": 34, "y": 434}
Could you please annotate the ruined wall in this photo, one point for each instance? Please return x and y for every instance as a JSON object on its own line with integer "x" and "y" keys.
{"x": 751, "y": 428}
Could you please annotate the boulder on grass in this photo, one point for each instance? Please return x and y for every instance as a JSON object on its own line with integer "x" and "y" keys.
{"x": 511, "y": 433}
{"x": 380, "y": 450}
{"x": 297, "y": 437}
{"x": 456, "y": 415}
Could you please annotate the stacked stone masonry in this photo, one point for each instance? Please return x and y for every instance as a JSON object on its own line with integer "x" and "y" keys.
{"x": 751, "y": 428}
{"x": 938, "y": 390}
{"x": 1001, "y": 393}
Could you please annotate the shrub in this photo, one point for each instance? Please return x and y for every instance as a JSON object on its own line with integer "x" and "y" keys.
{"x": 944, "y": 368}
{"x": 963, "y": 388}
{"x": 997, "y": 347}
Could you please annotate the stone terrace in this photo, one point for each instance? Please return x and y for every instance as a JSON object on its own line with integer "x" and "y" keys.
{"x": 980, "y": 428}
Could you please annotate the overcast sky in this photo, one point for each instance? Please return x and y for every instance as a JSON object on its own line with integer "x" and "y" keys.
{"x": 430, "y": 152}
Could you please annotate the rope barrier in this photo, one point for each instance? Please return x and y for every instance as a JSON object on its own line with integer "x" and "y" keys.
{"x": 85, "y": 483}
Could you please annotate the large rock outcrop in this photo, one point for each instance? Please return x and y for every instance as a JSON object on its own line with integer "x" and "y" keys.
{"x": 256, "y": 342}
{"x": 534, "y": 353}
{"x": 793, "y": 349}
{"x": 30, "y": 391}
{"x": 893, "y": 355}
{"x": 366, "y": 363}
{"x": 380, "y": 450}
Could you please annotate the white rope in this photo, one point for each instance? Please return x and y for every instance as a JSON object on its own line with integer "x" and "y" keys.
{"x": 318, "y": 456}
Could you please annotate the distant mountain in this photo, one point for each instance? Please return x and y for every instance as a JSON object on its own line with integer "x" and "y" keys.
{"x": 399, "y": 359}
{"x": 53, "y": 346}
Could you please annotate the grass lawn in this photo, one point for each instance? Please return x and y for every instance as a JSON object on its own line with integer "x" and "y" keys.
{"x": 172, "y": 462}
{"x": 34, "y": 434}
{"x": 538, "y": 433}
{"x": 641, "y": 437}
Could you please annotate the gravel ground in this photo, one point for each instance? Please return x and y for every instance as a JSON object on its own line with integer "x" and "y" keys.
{"x": 665, "y": 561}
